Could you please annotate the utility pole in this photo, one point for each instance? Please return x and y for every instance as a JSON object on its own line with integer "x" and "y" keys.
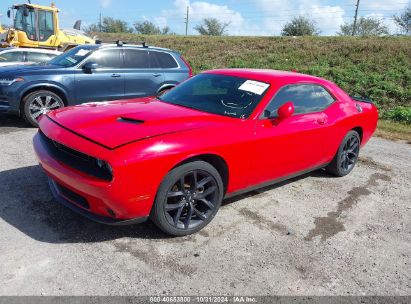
{"x": 186, "y": 20}
{"x": 100, "y": 23}
{"x": 354, "y": 27}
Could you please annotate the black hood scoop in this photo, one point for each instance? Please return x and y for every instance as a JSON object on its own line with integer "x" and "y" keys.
{"x": 130, "y": 120}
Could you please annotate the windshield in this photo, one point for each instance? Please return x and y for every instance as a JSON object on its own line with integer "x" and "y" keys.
{"x": 26, "y": 23}
{"x": 218, "y": 94}
{"x": 72, "y": 57}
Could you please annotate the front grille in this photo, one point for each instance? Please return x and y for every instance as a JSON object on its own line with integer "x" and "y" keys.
{"x": 72, "y": 196}
{"x": 74, "y": 159}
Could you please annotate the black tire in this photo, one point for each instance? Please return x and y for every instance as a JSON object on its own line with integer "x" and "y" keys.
{"x": 171, "y": 209}
{"x": 38, "y": 103}
{"x": 347, "y": 155}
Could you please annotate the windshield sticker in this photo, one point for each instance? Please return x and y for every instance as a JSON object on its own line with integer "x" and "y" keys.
{"x": 72, "y": 60}
{"x": 255, "y": 87}
{"x": 82, "y": 52}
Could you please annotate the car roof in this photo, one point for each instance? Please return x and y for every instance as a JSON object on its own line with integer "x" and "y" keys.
{"x": 267, "y": 75}
{"x": 36, "y": 50}
{"x": 138, "y": 46}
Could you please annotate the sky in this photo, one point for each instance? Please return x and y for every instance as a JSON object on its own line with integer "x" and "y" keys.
{"x": 246, "y": 17}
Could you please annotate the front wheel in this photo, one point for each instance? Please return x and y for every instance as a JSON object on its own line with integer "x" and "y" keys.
{"x": 39, "y": 103}
{"x": 347, "y": 155}
{"x": 188, "y": 198}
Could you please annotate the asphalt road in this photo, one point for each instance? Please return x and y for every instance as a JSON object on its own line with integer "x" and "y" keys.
{"x": 313, "y": 235}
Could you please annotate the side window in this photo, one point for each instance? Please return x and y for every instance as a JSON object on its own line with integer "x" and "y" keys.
{"x": 38, "y": 57}
{"x": 107, "y": 59}
{"x": 307, "y": 98}
{"x": 136, "y": 59}
{"x": 46, "y": 25}
{"x": 11, "y": 56}
{"x": 162, "y": 60}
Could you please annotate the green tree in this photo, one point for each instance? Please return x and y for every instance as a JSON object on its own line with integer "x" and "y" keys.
{"x": 403, "y": 21}
{"x": 149, "y": 28}
{"x": 110, "y": 25}
{"x": 300, "y": 26}
{"x": 212, "y": 27}
{"x": 366, "y": 26}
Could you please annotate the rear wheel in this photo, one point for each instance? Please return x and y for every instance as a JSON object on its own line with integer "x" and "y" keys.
{"x": 188, "y": 199}
{"x": 39, "y": 103}
{"x": 347, "y": 155}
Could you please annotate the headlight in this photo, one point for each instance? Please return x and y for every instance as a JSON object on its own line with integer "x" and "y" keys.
{"x": 105, "y": 166}
{"x": 10, "y": 81}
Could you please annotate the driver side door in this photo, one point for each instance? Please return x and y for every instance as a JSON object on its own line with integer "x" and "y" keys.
{"x": 297, "y": 143}
{"x": 104, "y": 83}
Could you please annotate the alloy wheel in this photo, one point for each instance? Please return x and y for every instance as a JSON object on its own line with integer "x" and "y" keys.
{"x": 191, "y": 200}
{"x": 41, "y": 105}
{"x": 349, "y": 153}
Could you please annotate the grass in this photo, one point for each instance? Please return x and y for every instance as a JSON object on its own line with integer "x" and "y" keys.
{"x": 378, "y": 68}
{"x": 393, "y": 130}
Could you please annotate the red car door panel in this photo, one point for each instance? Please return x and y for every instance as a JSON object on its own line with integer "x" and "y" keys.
{"x": 290, "y": 146}
{"x": 297, "y": 143}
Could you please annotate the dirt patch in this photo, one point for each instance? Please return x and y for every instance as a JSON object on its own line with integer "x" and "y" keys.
{"x": 369, "y": 162}
{"x": 330, "y": 225}
{"x": 262, "y": 222}
{"x": 150, "y": 256}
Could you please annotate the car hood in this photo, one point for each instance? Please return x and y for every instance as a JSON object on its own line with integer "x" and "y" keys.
{"x": 22, "y": 68}
{"x": 114, "y": 124}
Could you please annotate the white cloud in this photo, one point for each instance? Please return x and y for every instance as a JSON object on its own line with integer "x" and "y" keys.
{"x": 327, "y": 18}
{"x": 105, "y": 3}
{"x": 383, "y": 5}
{"x": 267, "y": 17}
{"x": 198, "y": 10}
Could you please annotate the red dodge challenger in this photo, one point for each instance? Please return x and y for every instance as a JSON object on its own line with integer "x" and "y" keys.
{"x": 174, "y": 158}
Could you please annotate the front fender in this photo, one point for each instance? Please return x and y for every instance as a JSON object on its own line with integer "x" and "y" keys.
{"x": 43, "y": 85}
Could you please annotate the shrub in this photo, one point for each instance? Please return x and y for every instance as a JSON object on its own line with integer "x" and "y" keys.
{"x": 400, "y": 114}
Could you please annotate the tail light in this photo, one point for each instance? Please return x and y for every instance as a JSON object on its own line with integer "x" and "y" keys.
{"x": 190, "y": 70}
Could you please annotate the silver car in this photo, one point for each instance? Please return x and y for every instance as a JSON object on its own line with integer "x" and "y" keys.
{"x": 25, "y": 56}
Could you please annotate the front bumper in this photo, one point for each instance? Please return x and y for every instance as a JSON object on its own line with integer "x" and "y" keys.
{"x": 71, "y": 204}
{"x": 108, "y": 202}
{"x": 8, "y": 101}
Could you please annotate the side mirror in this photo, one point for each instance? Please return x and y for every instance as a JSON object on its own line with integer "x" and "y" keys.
{"x": 89, "y": 67}
{"x": 8, "y": 14}
{"x": 286, "y": 110}
{"x": 25, "y": 11}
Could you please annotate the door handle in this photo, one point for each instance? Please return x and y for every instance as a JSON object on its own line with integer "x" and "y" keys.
{"x": 115, "y": 75}
{"x": 156, "y": 74}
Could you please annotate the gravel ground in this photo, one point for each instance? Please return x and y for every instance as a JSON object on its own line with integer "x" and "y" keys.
{"x": 312, "y": 235}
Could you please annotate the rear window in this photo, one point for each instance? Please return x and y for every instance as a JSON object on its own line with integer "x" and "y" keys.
{"x": 163, "y": 60}
{"x": 11, "y": 56}
{"x": 39, "y": 57}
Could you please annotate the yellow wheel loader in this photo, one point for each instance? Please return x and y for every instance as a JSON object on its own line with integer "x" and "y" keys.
{"x": 38, "y": 26}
